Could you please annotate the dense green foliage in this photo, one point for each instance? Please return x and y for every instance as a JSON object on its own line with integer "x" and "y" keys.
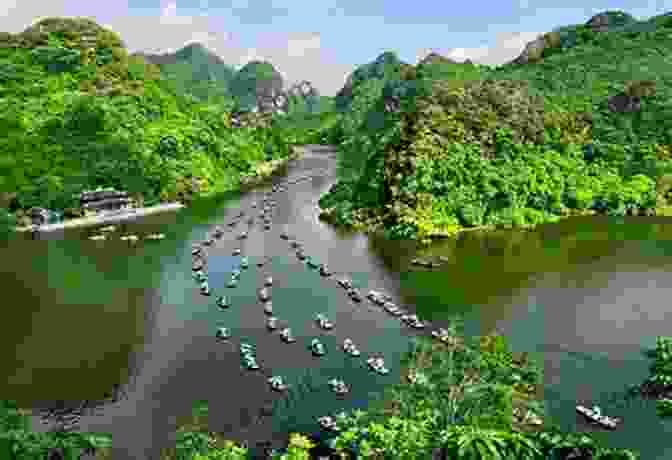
{"x": 77, "y": 112}
{"x": 521, "y": 144}
{"x": 255, "y": 79}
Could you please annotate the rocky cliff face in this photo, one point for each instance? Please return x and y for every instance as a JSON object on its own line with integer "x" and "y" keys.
{"x": 544, "y": 45}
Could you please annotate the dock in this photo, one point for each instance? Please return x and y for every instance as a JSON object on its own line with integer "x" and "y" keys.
{"x": 111, "y": 217}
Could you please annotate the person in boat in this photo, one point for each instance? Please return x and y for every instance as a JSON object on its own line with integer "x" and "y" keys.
{"x": 354, "y": 295}
{"x": 328, "y": 423}
{"x": 223, "y": 333}
{"x": 317, "y": 347}
{"x": 277, "y": 383}
{"x": 223, "y": 302}
{"x": 286, "y": 335}
{"x": 350, "y": 348}
{"x": 345, "y": 283}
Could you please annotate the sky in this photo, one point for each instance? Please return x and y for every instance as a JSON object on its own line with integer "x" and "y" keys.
{"x": 323, "y": 41}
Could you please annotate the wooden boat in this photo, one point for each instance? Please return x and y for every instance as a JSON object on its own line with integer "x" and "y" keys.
{"x": 594, "y": 415}
{"x": 328, "y": 423}
{"x": 223, "y": 333}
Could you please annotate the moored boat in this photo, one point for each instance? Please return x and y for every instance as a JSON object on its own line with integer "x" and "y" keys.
{"x": 223, "y": 333}
{"x": 286, "y": 335}
{"x": 223, "y": 302}
{"x": 264, "y": 295}
{"x": 328, "y": 423}
{"x": 594, "y": 415}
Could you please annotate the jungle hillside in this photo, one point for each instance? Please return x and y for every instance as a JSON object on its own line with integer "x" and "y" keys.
{"x": 78, "y": 112}
{"x": 579, "y": 123}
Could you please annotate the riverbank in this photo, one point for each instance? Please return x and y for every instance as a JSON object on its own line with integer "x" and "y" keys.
{"x": 261, "y": 173}
{"x": 110, "y": 217}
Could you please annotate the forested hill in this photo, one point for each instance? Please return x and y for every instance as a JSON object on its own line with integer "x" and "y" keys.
{"x": 77, "y": 112}
{"x": 199, "y": 72}
{"x": 196, "y": 70}
{"x": 580, "y": 123}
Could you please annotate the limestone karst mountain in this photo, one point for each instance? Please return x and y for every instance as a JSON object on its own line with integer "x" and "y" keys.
{"x": 195, "y": 70}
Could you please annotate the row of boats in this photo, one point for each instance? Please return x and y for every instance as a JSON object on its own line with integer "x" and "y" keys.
{"x": 316, "y": 346}
{"x": 107, "y": 230}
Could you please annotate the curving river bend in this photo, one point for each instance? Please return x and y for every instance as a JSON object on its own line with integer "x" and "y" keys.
{"x": 585, "y": 295}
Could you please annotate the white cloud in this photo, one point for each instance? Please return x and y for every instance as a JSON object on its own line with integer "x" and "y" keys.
{"x": 505, "y": 48}
{"x": 300, "y": 46}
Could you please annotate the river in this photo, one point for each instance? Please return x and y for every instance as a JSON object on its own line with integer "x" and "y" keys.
{"x": 585, "y": 296}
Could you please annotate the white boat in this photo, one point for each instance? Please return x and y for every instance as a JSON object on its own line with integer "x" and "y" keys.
{"x": 252, "y": 365}
{"x": 97, "y": 237}
{"x": 377, "y": 365}
{"x": 272, "y": 323}
{"x": 223, "y": 302}
{"x": 353, "y": 351}
{"x": 323, "y": 322}
{"x": 268, "y": 307}
{"x": 317, "y": 348}
{"x": 277, "y": 384}
{"x": 327, "y": 422}
{"x": 155, "y": 236}
{"x": 594, "y": 415}
{"x": 338, "y": 386}
{"x": 345, "y": 283}
{"x": 286, "y": 335}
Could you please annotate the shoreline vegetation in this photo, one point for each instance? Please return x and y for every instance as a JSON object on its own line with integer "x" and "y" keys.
{"x": 261, "y": 172}
{"x": 459, "y": 397}
{"x": 424, "y": 151}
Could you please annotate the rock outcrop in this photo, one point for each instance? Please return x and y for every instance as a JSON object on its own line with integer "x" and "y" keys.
{"x": 600, "y": 23}
{"x": 434, "y": 58}
{"x": 386, "y": 66}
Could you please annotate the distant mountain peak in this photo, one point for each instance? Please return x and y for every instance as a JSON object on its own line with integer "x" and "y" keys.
{"x": 433, "y": 58}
